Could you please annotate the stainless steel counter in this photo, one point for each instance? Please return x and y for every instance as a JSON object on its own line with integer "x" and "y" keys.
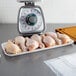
{"x": 30, "y": 64}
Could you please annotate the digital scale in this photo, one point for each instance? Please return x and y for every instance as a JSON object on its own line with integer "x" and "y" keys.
{"x": 30, "y": 18}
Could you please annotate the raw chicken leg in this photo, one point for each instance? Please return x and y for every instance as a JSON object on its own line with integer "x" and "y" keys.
{"x": 64, "y": 38}
{"x": 58, "y": 41}
{"x": 19, "y": 40}
{"x": 31, "y": 44}
{"x": 39, "y": 40}
{"x": 54, "y": 36}
{"x": 48, "y": 41}
{"x": 12, "y": 48}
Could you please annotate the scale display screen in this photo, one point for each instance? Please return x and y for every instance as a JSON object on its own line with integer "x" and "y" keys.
{"x": 30, "y": 20}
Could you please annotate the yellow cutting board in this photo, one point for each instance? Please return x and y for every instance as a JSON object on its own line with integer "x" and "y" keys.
{"x": 70, "y": 31}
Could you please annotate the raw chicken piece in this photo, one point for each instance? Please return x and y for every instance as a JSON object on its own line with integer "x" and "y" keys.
{"x": 19, "y": 40}
{"x": 48, "y": 41}
{"x": 31, "y": 44}
{"x": 58, "y": 41}
{"x": 39, "y": 40}
{"x": 12, "y": 48}
{"x": 54, "y": 36}
{"x": 64, "y": 38}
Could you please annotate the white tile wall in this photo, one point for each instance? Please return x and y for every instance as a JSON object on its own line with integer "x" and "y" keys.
{"x": 55, "y": 11}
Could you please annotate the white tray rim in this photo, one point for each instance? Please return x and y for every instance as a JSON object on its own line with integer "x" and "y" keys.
{"x": 11, "y": 55}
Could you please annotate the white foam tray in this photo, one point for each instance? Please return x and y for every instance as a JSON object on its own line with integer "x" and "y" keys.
{"x": 37, "y": 50}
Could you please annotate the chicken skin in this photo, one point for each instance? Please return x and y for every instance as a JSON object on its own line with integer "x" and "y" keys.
{"x": 39, "y": 40}
{"x": 31, "y": 44}
{"x": 48, "y": 41}
{"x": 19, "y": 40}
{"x": 12, "y": 48}
{"x": 54, "y": 36}
{"x": 65, "y": 38}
